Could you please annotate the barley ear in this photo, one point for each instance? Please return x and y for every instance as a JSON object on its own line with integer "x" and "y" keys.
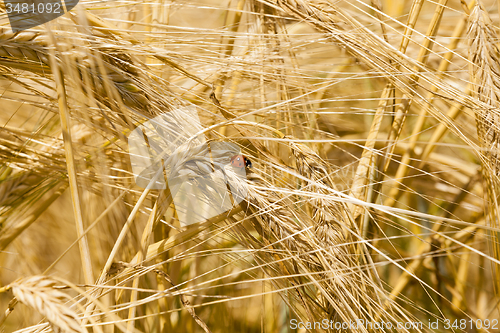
{"x": 484, "y": 57}
{"x": 38, "y": 292}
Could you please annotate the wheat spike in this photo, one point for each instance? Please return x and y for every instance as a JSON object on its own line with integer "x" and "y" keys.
{"x": 485, "y": 72}
{"x": 38, "y": 293}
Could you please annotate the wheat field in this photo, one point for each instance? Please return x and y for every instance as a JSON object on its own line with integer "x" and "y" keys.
{"x": 373, "y": 132}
